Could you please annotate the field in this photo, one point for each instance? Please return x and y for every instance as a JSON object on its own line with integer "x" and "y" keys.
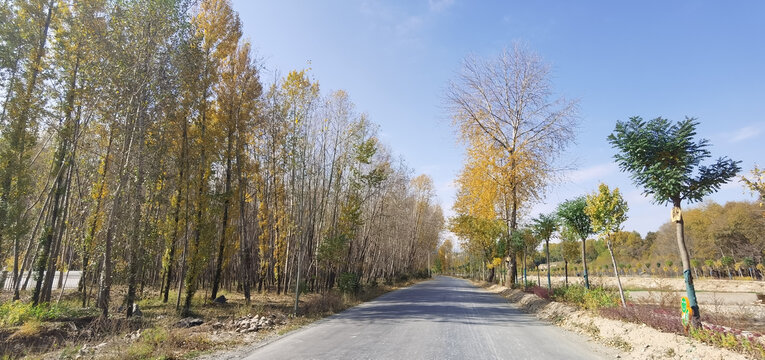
{"x": 733, "y": 301}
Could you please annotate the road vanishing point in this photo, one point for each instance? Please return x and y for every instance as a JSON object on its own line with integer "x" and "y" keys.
{"x": 443, "y": 318}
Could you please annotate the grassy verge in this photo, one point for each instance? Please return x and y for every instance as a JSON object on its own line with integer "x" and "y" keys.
{"x": 67, "y": 331}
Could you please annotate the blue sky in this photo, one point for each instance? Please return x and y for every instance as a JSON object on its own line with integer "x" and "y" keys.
{"x": 704, "y": 59}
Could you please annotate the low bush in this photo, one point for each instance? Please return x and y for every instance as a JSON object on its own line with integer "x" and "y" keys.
{"x": 540, "y": 291}
{"x": 724, "y": 338}
{"x": 592, "y": 299}
{"x": 664, "y": 319}
{"x": 326, "y": 303}
{"x": 14, "y": 313}
{"x": 348, "y": 283}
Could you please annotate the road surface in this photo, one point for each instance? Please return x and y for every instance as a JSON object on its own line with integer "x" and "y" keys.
{"x": 444, "y": 318}
{"x": 70, "y": 282}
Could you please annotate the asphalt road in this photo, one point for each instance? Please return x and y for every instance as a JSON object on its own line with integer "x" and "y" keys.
{"x": 70, "y": 282}
{"x": 444, "y": 318}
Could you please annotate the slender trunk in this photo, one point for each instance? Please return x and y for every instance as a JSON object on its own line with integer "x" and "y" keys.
{"x": 297, "y": 284}
{"x": 17, "y": 144}
{"x": 90, "y": 237}
{"x": 20, "y": 274}
{"x": 547, "y": 255}
{"x": 176, "y": 214}
{"x": 105, "y": 281}
{"x": 616, "y": 272}
{"x": 584, "y": 264}
{"x": 57, "y": 192}
{"x": 677, "y": 217}
{"x": 244, "y": 241}
{"x": 524, "y": 269}
{"x": 194, "y": 264}
{"x": 135, "y": 237}
{"x": 224, "y": 221}
{"x": 565, "y": 264}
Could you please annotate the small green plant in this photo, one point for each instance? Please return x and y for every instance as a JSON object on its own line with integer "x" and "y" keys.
{"x": 14, "y": 313}
{"x": 592, "y": 299}
{"x": 619, "y": 343}
{"x": 720, "y": 337}
{"x": 348, "y": 283}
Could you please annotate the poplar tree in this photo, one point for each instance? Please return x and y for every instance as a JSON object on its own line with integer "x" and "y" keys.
{"x": 506, "y": 105}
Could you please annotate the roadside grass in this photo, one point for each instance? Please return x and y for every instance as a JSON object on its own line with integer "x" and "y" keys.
{"x": 65, "y": 330}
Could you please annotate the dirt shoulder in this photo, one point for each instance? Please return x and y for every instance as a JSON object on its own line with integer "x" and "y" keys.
{"x": 633, "y": 341}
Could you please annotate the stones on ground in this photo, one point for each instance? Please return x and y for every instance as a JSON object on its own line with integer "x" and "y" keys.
{"x": 188, "y": 322}
{"x": 256, "y": 323}
{"x": 134, "y": 335}
{"x": 89, "y": 351}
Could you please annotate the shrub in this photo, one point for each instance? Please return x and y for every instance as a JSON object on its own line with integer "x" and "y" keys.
{"x": 326, "y": 303}
{"x": 348, "y": 283}
{"x": 592, "y": 299}
{"x": 30, "y": 329}
{"x": 718, "y": 336}
{"x": 17, "y": 313}
{"x": 541, "y": 292}
{"x": 657, "y": 317}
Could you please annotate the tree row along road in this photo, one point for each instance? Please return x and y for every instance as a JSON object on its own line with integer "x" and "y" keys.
{"x": 444, "y": 318}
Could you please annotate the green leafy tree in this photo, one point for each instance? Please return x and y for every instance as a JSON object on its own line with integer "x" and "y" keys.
{"x": 608, "y": 211}
{"x": 663, "y": 158}
{"x": 544, "y": 227}
{"x": 572, "y": 214}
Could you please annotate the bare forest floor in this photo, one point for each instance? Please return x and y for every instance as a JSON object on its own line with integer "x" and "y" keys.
{"x": 637, "y": 340}
{"x": 77, "y": 333}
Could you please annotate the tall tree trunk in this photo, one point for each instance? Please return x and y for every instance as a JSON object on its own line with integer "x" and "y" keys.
{"x": 224, "y": 220}
{"x": 176, "y": 214}
{"x": 243, "y": 239}
{"x": 135, "y": 238}
{"x": 194, "y": 261}
{"x": 105, "y": 281}
{"x": 17, "y": 142}
{"x": 20, "y": 274}
{"x": 50, "y": 228}
{"x": 90, "y": 237}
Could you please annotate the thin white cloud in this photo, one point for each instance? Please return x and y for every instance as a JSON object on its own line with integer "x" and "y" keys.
{"x": 439, "y": 5}
{"x": 745, "y": 133}
{"x": 592, "y": 173}
{"x": 404, "y": 23}
{"x": 409, "y": 27}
